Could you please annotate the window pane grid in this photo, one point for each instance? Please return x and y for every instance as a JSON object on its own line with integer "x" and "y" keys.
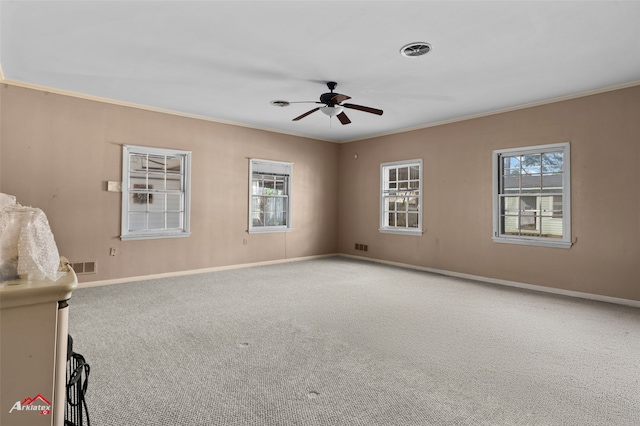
{"x": 269, "y": 195}
{"x": 400, "y": 196}
{"x": 530, "y": 194}
{"x": 269, "y": 210}
{"x": 156, "y": 200}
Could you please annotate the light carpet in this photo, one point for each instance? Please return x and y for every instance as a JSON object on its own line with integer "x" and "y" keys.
{"x": 340, "y": 341}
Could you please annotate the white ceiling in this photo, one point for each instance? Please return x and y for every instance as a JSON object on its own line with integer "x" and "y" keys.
{"x": 226, "y": 60}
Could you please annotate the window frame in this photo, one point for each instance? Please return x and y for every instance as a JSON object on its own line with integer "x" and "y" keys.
{"x": 566, "y": 240}
{"x": 185, "y": 192}
{"x": 384, "y": 227}
{"x": 254, "y": 165}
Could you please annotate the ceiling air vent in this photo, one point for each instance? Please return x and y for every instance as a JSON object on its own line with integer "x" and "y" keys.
{"x": 413, "y": 50}
{"x": 279, "y": 103}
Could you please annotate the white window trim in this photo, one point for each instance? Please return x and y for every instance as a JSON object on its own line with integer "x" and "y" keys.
{"x": 566, "y": 241}
{"x": 401, "y": 231}
{"x": 271, "y": 229}
{"x": 127, "y": 235}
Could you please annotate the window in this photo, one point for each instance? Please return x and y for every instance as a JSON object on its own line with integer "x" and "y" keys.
{"x": 401, "y": 197}
{"x": 269, "y": 196}
{"x": 155, "y": 193}
{"x": 532, "y": 194}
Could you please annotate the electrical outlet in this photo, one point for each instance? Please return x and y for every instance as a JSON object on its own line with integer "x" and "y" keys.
{"x": 244, "y": 242}
{"x": 112, "y": 252}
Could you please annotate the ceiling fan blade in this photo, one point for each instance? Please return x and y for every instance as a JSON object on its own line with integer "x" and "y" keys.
{"x": 343, "y": 118}
{"x": 340, "y": 98}
{"x": 305, "y": 114}
{"x": 363, "y": 108}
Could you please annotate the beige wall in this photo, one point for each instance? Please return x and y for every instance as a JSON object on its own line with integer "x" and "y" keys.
{"x": 604, "y": 132}
{"x": 59, "y": 151}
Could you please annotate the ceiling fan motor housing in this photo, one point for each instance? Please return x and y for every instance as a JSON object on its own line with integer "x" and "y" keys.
{"x": 328, "y": 99}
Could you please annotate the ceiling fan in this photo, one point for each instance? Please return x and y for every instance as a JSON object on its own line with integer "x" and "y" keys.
{"x": 333, "y": 105}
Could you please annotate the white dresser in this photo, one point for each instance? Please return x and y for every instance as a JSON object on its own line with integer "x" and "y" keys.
{"x": 34, "y": 323}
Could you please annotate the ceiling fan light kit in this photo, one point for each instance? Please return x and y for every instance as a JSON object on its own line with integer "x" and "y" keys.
{"x": 331, "y": 111}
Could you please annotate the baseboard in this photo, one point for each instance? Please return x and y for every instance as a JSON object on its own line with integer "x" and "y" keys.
{"x": 544, "y": 289}
{"x": 199, "y": 271}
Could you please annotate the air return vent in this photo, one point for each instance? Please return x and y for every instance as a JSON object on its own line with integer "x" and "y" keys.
{"x": 84, "y": 267}
{"x": 413, "y": 50}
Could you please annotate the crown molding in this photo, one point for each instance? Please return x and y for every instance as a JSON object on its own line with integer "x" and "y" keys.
{"x": 266, "y": 129}
{"x": 84, "y": 96}
{"x": 509, "y": 109}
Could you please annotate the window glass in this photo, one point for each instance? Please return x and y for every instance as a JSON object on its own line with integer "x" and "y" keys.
{"x": 400, "y": 199}
{"x": 270, "y": 196}
{"x": 532, "y": 195}
{"x": 155, "y": 201}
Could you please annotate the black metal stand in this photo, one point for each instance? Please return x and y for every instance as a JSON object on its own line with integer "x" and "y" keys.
{"x": 76, "y": 412}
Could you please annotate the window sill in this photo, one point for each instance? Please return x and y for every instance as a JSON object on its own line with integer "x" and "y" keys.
{"x": 132, "y": 237}
{"x": 533, "y": 242}
{"x": 412, "y": 232}
{"x": 268, "y": 230}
